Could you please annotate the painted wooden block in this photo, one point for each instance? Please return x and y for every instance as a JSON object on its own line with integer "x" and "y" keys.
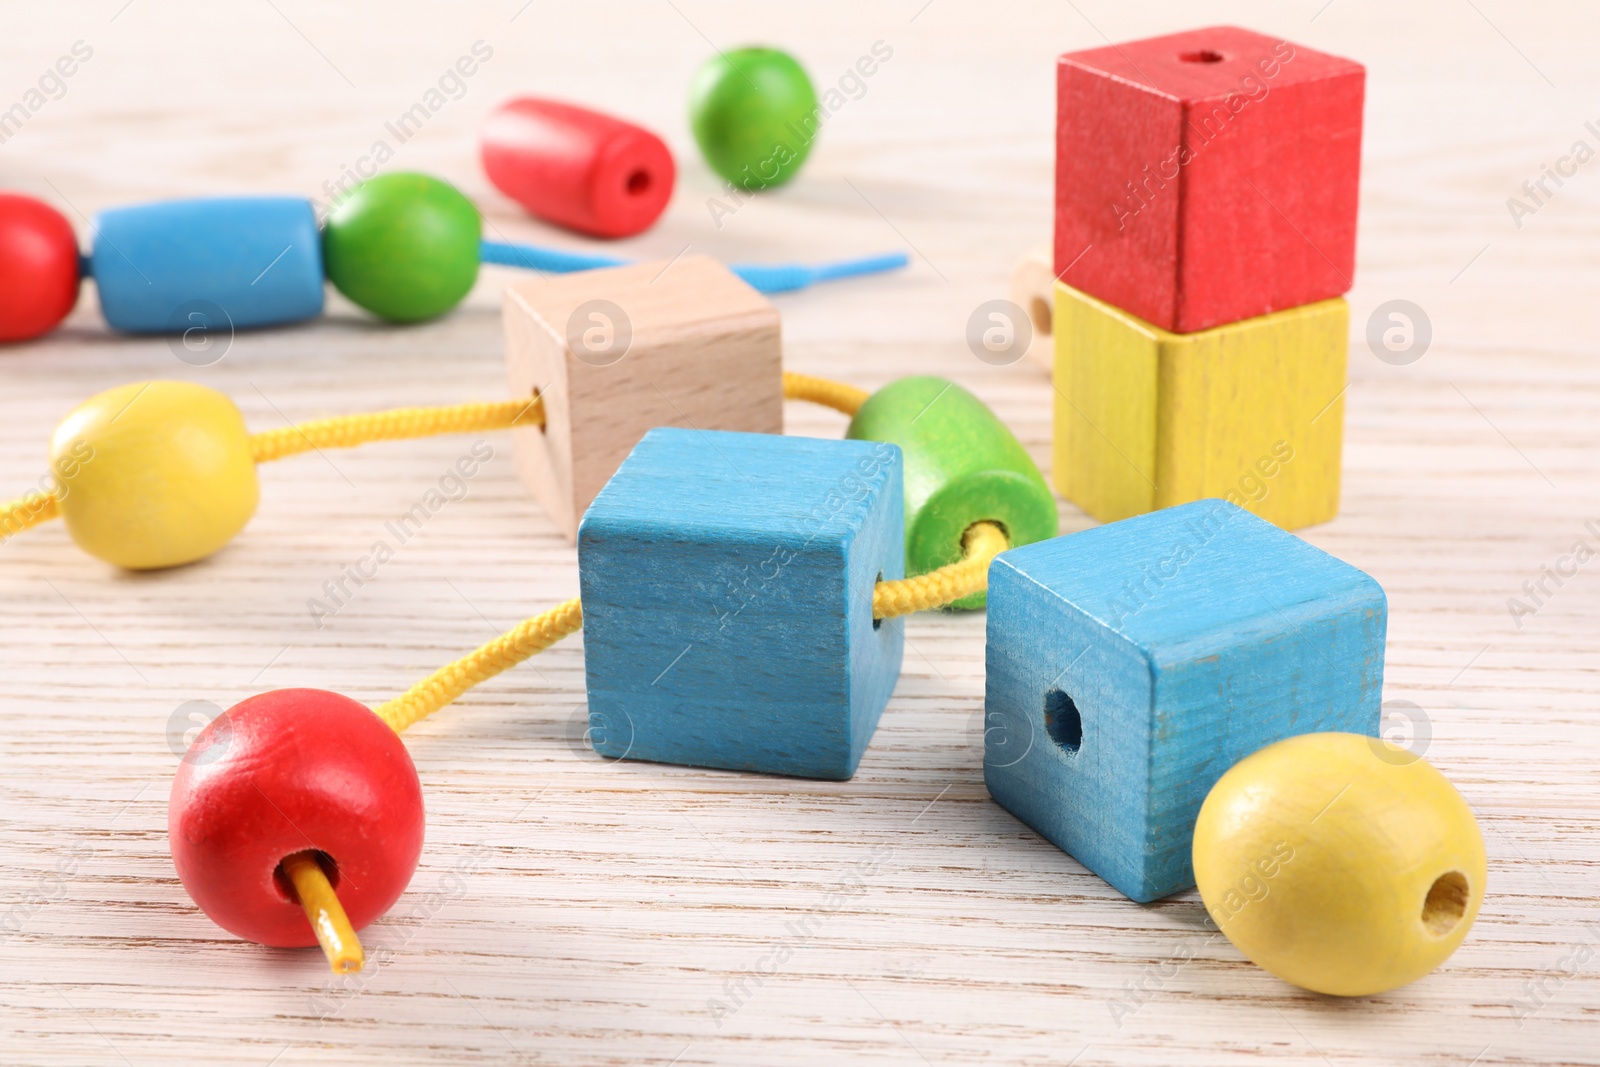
{"x": 962, "y": 466}
{"x": 1207, "y": 176}
{"x": 1131, "y": 665}
{"x": 1033, "y": 287}
{"x": 208, "y": 265}
{"x": 618, "y": 352}
{"x": 1252, "y": 412}
{"x": 727, "y": 584}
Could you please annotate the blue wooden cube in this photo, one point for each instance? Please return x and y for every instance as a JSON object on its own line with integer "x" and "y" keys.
{"x": 727, "y": 586}
{"x": 180, "y": 266}
{"x": 1130, "y": 665}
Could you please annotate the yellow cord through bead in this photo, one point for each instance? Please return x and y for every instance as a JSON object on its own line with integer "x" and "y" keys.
{"x": 836, "y": 395}
{"x": 982, "y": 542}
{"x": 504, "y": 652}
{"x": 347, "y": 431}
{"x": 326, "y": 915}
{"x": 29, "y": 511}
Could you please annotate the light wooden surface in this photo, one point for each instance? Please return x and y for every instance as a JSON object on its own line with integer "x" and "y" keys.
{"x": 575, "y": 911}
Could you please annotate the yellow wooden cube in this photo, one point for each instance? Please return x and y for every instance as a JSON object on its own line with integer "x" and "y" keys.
{"x": 1252, "y": 412}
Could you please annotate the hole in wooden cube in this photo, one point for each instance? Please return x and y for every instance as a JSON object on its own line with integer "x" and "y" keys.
{"x": 1062, "y": 720}
{"x": 617, "y": 352}
{"x": 727, "y": 583}
{"x": 1188, "y": 639}
{"x": 1208, "y": 176}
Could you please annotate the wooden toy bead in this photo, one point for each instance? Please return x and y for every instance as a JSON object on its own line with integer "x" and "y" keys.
{"x": 577, "y": 168}
{"x": 614, "y": 353}
{"x": 38, "y": 267}
{"x": 293, "y": 770}
{"x": 963, "y": 466}
{"x": 1033, "y": 289}
{"x": 1129, "y": 665}
{"x": 154, "y": 474}
{"x": 213, "y": 264}
{"x": 728, "y": 582}
{"x": 1207, "y": 176}
{"x": 1341, "y": 863}
{"x": 754, "y": 114}
{"x": 404, "y": 246}
{"x": 1251, "y": 411}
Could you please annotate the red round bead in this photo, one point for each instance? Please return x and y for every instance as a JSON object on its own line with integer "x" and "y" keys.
{"x": 38, "y": 267}
{"x": 578, "y": 168}
{"x": 283, "y": 772}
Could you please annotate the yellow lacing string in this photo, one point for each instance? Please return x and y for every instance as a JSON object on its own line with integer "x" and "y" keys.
{"x": 982, "y": 542}
{"x": 29, "y": 511}
{"x": 326, "y": 915}
{"x": 347, "y": 431}
{"x": 506, "y": 651}
{"x": 830, "y": 394}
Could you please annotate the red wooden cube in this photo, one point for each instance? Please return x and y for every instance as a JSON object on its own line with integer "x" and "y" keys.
{"x": 1207, "y": 177}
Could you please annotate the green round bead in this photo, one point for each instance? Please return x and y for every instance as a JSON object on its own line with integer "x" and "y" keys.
{"x": 754, "y": 115}
{"x": 962, "y": 465}
{"x": 403, "y": 246}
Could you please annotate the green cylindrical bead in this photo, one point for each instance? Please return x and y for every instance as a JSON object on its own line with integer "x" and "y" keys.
{"x": 403, "y": 246}
{"x": 962, "y": 465}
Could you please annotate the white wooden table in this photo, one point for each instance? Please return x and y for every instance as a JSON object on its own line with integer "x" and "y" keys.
{"x": 574, "y": 911}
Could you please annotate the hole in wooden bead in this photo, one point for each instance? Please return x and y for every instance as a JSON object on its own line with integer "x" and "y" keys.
{"x": 1062, "y": 720}
{"x": 1039, "y": 314}
{"x": 877, "y": 623}
{"x": 639, "y": 183}
{"x": 1204, "y": 55}
{"x": 1446, "y": 904}
{"x": 285, "y": 887}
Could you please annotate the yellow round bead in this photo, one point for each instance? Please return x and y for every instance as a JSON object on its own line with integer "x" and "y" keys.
{"x": 1341, "y": 863}
{"x": 154, "y": 474}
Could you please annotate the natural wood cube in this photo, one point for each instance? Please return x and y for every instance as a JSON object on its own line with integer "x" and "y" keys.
{"x": 1252, "y": 412}
{"x": 618, "y": 352}
{"x": 1033, "y": 288}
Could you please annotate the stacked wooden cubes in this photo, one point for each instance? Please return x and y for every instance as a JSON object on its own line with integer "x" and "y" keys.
{"x": 1206, "y": 193}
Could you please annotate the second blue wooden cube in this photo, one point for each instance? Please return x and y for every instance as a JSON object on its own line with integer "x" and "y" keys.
{"x": 208, "y": 265}
{"x": 1131, "y": 665}
{"x": 727, "y": 584}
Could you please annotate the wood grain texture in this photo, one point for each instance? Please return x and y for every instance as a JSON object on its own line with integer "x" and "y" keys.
{"x": 727, "y": 583}
{"x": 576, "y": 911}
{"x": 1207, "y": 176}
{"x": 1130, "y": 666}
{"x": 618, "y": 352}
{"x": 1252, "y": 412}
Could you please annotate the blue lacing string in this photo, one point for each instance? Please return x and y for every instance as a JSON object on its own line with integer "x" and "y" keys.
{"x": 765, "y": 278}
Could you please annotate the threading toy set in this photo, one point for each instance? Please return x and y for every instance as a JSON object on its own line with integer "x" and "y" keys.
{"x": 1188, "y": 695}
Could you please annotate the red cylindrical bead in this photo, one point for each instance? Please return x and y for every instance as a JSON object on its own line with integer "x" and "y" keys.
{"x": 282, "y": 772}
{"x": 578, "y": 168}
{"x": 38, "y": 267}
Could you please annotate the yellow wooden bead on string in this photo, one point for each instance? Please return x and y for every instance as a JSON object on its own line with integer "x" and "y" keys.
{"x": 154, "y": 474}
{"x": 1341, "y": 863}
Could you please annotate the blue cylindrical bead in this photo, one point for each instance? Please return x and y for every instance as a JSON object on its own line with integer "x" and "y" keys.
{"x": 231, "y": 261}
